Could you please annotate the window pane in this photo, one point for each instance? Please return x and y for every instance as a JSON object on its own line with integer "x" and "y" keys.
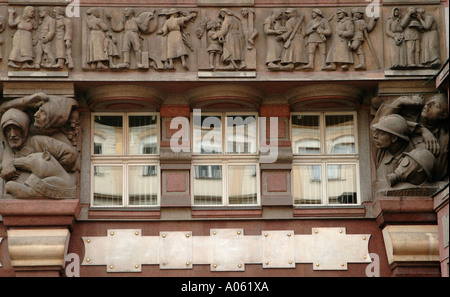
{"x": 208, "y": 135}
{"x": 241, "y": 134}
{"x": 108, "y": 135}
{"x": 342, "y": 184}
{"x": 108, "y": 185}
{"x": 143, "y": 185}
{"x": 306, "y": 134}
{"x": 307, "y": 184}
{"x": 242, "y": 184}
{"x": 143, "y": 134}
{"x": 340, "y": 134}
{"x": 208, "y": 185}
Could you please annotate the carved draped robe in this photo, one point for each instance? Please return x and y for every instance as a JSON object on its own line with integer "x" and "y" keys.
{"x": 339, "y": 51}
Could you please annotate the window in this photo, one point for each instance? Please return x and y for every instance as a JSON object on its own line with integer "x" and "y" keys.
{"x": 225, "y": 170}
{"x": 325, "y": 168}
{"x": 125, "y": 160}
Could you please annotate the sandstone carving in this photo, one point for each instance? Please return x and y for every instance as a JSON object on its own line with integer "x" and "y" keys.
{"x": 273, "y": 29}
{"x": 317, "y": 30}
{"x": 96, "y": 55}
{"x": 22, "y": 42}
{"x": 52, "y": 129}
{"x": 2, "y": 28}
{"x": 294, "y": 50}
{"x": 63, "y": 39}
{"x": 131, "y": 26}
{"x": 340, "y": 51}
{"x": 361, "y": 33}
{"x": 176, "y": 41}
{"x": 411, "y": 141}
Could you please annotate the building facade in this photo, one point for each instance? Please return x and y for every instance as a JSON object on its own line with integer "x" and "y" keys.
{"x": 224, "y": 138}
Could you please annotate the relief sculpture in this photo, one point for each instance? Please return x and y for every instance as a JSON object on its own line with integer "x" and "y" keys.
{"x": 40, "y": 156}
{"x": 413, "y": 39}
{"x": 410, "y": 140}
{"x": 42, "y": 40}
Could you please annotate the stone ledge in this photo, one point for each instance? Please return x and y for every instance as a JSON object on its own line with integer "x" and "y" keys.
{"x": 404, "y": 210}
{"x": 329, "y": 212}
{"x": 39, "y": 212}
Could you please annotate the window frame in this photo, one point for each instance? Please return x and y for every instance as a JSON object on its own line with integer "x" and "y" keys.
{"x": 125, "y": 160}
{"x": 225, "y": 163}
{"x": 323, "y": 158}
{"x": 224, "y": 133}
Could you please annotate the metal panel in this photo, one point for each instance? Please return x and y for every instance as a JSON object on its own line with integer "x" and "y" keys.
{"x": 278, "y": 249}
{"x": 228, "y": 250}
{"x": 175, "y": 250}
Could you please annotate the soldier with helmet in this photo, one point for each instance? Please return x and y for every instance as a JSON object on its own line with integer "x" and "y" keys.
{"x": 317, "y": 30}
{"x": 358, "y": 37}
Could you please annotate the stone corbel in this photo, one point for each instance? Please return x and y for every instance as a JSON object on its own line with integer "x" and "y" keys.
{"x": 411, "y": 246}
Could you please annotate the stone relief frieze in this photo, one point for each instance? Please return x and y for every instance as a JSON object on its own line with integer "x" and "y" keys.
{"x": 43, "y": 38}
{"x": 40, "y": 157}
{"x": 410, "y": 142}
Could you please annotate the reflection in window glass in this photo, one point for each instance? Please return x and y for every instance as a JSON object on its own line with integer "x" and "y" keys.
{"x": 308, "y": 184}
{"x": 108, "y": 189}
{"x": 242, "y": 184}
{"x": 108, "y": 134}
{"x": 342, "y": 190}
{"x": 208, "y": 185}
{"x": 241, "y": 134}
{"x": 143, "y": 134}
{"x": 306, "y": 134}
{"x": 143, "y": 185}
{"x": 340, "y": 134}
{"x": 208, "y": 135}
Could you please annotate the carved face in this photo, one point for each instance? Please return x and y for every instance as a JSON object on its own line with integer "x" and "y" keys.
{"x": 14, "y": 135}
{"x": 383, "y": 139}
{"x": 40, "y": 117}
{"x": 434, "y": 110}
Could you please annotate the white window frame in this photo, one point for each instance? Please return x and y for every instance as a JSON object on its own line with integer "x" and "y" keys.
{"x": 323, "y": 158}
{"x": 225, "y": 162}
{"x": 124, "y": 160}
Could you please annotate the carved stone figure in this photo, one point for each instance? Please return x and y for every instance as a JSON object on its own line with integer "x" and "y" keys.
{"x": 176, "y": 40}
{"x": 391, "y": 140}
{"x": 412, "y": 27}
{"x": 48, "y": 178}
{"x": 317, "y": 30}
{"x": 110, "y": 47}
{"x": 416, "y": 168}
{"x": 63, "y": 39}
{"x": 397, "y": 45}
{"x": 294, "y": 49}
{"x": 361, "y": 33}
{"x": 430, "y": 40}
{"x": 2, "y": 28}
{"x": 273, "y": 29}
{"x": 340, "y": 51}
{"x": 43, "y": 44}
{"x": 131, "y": 25}
{"x": 96, "y": 54}
{"x": 52, "y": 133}
{"x": 233, "y": 40}
{"x": 22, "y": 43}
{"x": 215, "y": 48}
{"x": 250, "y": 32}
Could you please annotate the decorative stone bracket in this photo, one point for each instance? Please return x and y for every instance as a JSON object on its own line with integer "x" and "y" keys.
{"x": 226, "y": 249}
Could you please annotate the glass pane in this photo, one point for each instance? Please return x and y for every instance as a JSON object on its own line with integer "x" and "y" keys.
{"x": 342, "y": 187}
{"x": 241, "y": 134}
{"x": 143, "y": 185}
{"x": 208, "y": 185}
{"x": 208, "y": 135}
{"x": 340, "y": 134}
{"x": 306, "y": 134}
{"x": 108, "y": 135}
{"x": 242, "y": 184}
{"x": 108, "y": 189}
{"x": 143, "y": 135}
{"x": 308, "y": 184}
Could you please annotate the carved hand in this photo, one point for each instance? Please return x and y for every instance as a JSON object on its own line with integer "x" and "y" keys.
{"x": 431, "y": 141}
{"x": 36, "y": 100}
